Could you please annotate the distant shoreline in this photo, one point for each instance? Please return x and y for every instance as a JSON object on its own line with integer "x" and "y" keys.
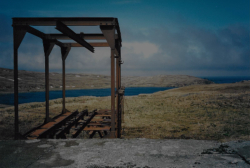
{"x": 227, "y": 79}
{"x": 60, "y": 89}
{"x": 29, "y": 97}
{"x": 29, "y": 81}
{"x": 34, "y": 81}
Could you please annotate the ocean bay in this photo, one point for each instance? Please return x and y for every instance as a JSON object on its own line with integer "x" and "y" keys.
{"x": 29, "y": 97}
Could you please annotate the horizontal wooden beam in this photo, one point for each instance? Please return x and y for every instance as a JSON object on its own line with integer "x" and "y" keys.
{"x": 69, "y": 21}
{"x": 85, "y": 36}
{"x": 92, "y": 44}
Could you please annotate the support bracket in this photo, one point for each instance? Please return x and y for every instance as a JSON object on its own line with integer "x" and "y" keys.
{"x": 19, "y": 33}
{"x": 48, "y": 46}
{"x": 65, "y": 52}
{"x": 109, "y": 34}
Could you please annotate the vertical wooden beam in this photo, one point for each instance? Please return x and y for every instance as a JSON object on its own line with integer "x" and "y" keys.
{"x": 118, "y": 87}
{"x": 113, "y": 116}
{"x": 120, "y": 63}
{"x": 109, "y": 33}
{"x": 48, "y": 46}
{"x": 16, "y": 93}
{"x": 63, "y": 84}
{"x": 47, "y": 87}
{"x": 121, "y": 96}
{"x": 64, "y": 52}
{"x": 18, "y": 35}
{"x": 117, "y": 96}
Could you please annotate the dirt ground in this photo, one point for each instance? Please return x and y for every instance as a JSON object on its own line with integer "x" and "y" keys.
{"x": 124, "y": 153}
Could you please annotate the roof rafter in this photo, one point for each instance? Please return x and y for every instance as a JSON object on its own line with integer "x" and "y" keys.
{"x": 26, "y": 23}
{"x": 69, "y": 21}
{"x": 70, "y": 33}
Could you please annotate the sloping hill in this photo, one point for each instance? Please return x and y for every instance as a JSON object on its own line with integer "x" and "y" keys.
{"x": 35, "y": 81}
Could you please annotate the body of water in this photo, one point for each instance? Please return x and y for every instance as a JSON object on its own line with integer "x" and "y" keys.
{"x": 130, "y": 91}
{"x": 227, "y": 79}
{"x": 40, "y": 96}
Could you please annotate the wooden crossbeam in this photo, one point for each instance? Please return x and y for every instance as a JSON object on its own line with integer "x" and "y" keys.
{"x": 84, "y": 36}
{"x": 71, "y": 34}
{"x": 70, "y": 21}
{"x": 92, "y": 44}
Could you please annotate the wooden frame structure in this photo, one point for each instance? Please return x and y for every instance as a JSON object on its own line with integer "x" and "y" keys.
{"x": 110, "y": 32}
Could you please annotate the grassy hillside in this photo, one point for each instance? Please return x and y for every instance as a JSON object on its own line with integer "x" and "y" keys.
{"x": 34, "y": 81}
{"x": 216, "y": 111}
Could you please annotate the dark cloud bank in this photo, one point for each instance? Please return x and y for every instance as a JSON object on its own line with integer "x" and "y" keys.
{"x": 196, "y": 49}
{"x": 191, "y": 50}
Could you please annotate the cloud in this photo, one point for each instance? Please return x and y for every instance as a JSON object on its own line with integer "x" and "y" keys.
{"x": 188, "y": 49}
{"x": 146, "y": 48}
{"x": 191, "y": 49}
{"x": 82, "y": 60}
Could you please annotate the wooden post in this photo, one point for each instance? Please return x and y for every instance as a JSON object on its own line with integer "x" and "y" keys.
{"x": 113, "y": 116}
{"x": 64, "y": 52}
{"x": 16, "y": 93}
{"x": 48, "y": 46}
{"x": 117, "y": 97}
{"x": 63, "y": 83}
{"x": 47, "y": 87}
{"x": 18, "y": 35}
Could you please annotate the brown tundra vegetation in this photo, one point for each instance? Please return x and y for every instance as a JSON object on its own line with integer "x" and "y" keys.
{"x": 213, "y": 112}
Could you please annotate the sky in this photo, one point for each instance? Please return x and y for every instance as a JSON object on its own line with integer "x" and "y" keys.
{"x": 159, "y": 37}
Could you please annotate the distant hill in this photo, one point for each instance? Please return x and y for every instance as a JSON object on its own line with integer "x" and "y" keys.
{"x": 35, "y": 81}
